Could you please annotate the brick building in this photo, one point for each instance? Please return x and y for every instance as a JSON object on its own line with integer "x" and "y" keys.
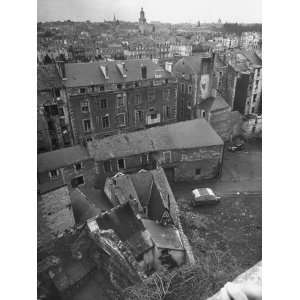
{"x": 189, "y": 150}
{"x": 195, "y": 82}
{"x": 107, "y": 98}
{"x": 53, "y": 128}
{"x": 71, "y": 166}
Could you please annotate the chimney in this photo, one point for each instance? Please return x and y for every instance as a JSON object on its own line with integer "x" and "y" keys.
{"x": 169, "y": 66}
{"x": 144, "y": 72}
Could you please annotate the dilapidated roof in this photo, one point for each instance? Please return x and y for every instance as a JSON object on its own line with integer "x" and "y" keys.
{"x": 61, "y": 158}
{"x": 165, "y": 237}
{"x": 127, "y": 226}
{"x": 86, "y": 74}
{"x": 182, "y": 135}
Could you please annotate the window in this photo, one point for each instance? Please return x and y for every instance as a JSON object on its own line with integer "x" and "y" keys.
{"x": 256, "y": 83}
{"x": 85, "y": 106}
{"x": 144, "y": 159}
{"x": 153, "y": 116}
{"x": 182, "y": 88}
{"x": 137, "y": 99}
{"x": 103, "y": 103}
{"x": 167, "y": 81}
{"x": 82, "y": 90}
{"x": 120, "y": 101}
{"x": 119, "y": 86}
{"x": 57, "y": 92}
{"x": 78, "y": 166}
{"x": 53, "y": 173}
{"x": 254, "y": 98}
{"x": 121, "y": 120}
{"x": 107, "y": 166}
{"x": 258, "y": 73}
{"x": 89, "y": 139}
{"x": 105, "y": 121}
{"x": 167, "y": 156}
{"x": 77, "y": 181}
{"x": 101, "y": 87}
{"x": 167, "y": 111}
{"x": 151, "y": 97}
{"x": 203, "y": 113}
{"x": 136, "y": 84}
{"x": 198, "y": 171}
{"x": 121, "y": 164}
{"x": 252, "y": 110}
{"x": 190, "y": 89}
{"x": 87, "y": 125}
{"x": 139, "y": 116}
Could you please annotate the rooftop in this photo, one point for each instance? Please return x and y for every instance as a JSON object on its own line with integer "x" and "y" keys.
{"x": 86, "y": 74}
{"x": 214, "y": 104}
{"x": 48, "y": 77}
{"x": 60, "y": 158}
{"x": 182, "y": 135}
{"x": 166, "y": 237}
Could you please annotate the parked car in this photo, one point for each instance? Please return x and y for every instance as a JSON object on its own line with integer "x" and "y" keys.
{"x": 238, "y": 145}
{"x": 204, "y": 196}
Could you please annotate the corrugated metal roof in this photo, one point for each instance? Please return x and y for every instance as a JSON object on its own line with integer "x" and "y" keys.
{"x": 61, "y": 158}
{"x": 182, "y": 135}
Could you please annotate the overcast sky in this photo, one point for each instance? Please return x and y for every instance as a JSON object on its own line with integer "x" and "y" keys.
{"x": 174, "y": 11}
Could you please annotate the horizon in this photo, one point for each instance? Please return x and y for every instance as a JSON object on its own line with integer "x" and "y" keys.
{"x": 229, "y": 11}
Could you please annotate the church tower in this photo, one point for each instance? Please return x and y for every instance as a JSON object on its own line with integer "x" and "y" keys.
{"x": 142, "y": 19}
{"x": 142, "y": 22}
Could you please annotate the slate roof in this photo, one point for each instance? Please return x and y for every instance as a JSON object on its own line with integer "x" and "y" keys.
{"x": 166, "y": 237}
{"x": 182, "y": 135}
{"x": 214, "y": 104}
{"x": 61, "y": 158}
{"x": 85, "y": 74}
{"x": 83, "y": 209}
{"x": 127, "y": 227}
{"x": 48, "y": 77}
{"x": 190, "y": 64}
{"x": 143, "y": 182}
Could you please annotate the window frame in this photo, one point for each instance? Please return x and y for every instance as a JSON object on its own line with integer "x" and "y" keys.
{"x": 102, "y": 123}
{"x": 74, "y": 178}
{"x": 138, "y": 119}
{"x": 51, "y": 177}
{"x": 197, "y": 171}
{"x": 75, "y": 168}
{"x": 83, "y": 124}
{"x": 170, "y": 155}
{"x": 118, "y": 98}
{"x": 118, "y": 167}
{"x": 83, "y": 104}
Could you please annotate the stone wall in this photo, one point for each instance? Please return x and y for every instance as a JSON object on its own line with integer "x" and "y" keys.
{"x": 55, "y": 215}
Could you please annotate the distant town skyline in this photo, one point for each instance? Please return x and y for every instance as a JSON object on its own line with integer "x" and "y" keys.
{"x": 168, "y": 11}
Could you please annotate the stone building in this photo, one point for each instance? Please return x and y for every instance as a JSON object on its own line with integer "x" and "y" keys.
{"x": 195, "y": 82}
{"x": 107, "y": 98}
{"x": 53, "y": 128}
{"x": 189, "y": 150}
{"x": 242, "y": 82}
{"x": 71, "y": 166}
